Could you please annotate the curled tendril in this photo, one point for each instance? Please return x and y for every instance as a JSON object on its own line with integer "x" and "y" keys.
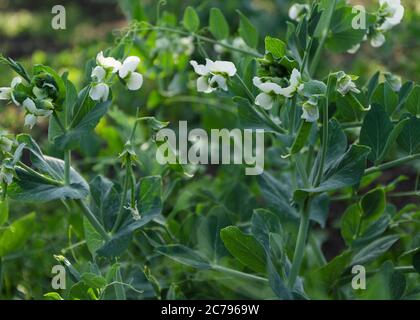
{"x": 161, "y": 3}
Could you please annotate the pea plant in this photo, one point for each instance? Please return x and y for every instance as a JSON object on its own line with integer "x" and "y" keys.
{"x": 177, "y": 231}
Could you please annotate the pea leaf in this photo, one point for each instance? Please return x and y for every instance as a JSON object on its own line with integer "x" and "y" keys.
{"x": 191, "y": 20}
{"x": 376, "y": 129}
{"x": 413, "y": 101}
{"x": 247, "y": 31}
{"x": 245, "y": 248}
{"x": 349, "y": 223}
{"x": 409, "y": 136}
{"x": 218, "y": 24}
{"x": 15, "y": 236}
{"x": 374, "y": 250}
{"x": 373, "y": 203}
{"x": 49, "y": 184}
{"x": 386, "y": 97}
{"x": 184, "y": 255}
{"x": 275, "y": 46}
{"x": 301, "y": 137}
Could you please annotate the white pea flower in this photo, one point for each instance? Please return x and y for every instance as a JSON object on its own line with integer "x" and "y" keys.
{"x": 99, "y": 92}
{"x": 269, "y": 92}
{"x": 392, "y": 11}
{"x": 6, "y": 174}
{"x": 345, "y": 83}
{"x": 295, "y": 84}
{"x": 310, "y": 109}
{"x": 134, "y": 80}
{"x": 377, "y": 39}
{"x": 98, "y": 74}
{"x": 297, "y": 11}
{"x": 5, "y": 144}
{"x": 6, "y": 93}
{"x": 213, "y": 75}
{"x": 33, "y": 112}
{"x": 108, "y": 63}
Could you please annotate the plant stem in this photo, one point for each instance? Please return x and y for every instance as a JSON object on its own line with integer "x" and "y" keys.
{"x": 119, "y": 289}
{"x": 239, "y": 273}
{"x": 123, "y": 196}
{"x": 392, "y": 164}
{"x": 301, "y": 242}
{"x": 317, "y": 55}
{"x": 205, "y": 39}
{"x": 1, "y": 274}
{"x": 247, "y": 90}
{"x": 324, "y": 145}
{"x": 67, "y": 164}
{"x": 93, "y": 220}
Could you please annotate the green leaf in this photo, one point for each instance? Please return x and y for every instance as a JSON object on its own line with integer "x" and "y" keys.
{"x": 413, "y": 101}
{"x": 245, "y": 248}
{"x": 247, "y": 31}
{"x": 392, "y": 138}
{"x": 184, "y": 255}
{"x": 350, "y": 223}
{"x": 191, "y": 20}
{"x": 49, "y": 184}
{"x": 320, "y": 209}
{"x": 374, "y": 230}
{"x": 301, "y": 137}
{"x": 264, "y": 223}
{"x": 409, "y": 136}
{"x": 53, "y": 296}
{"x": 218, "y": 24}
{"x": 374, "y": 250}
{"x": 386, "y": 97}
{"x": 4, "y": 211}
{"x": 87, "y": 123}
{"x": 373, "y": 203}
{"x": 348, "y": 171}
{"x": 93, "y": 280}
{"x": 376, "y": 129}
{"x": 39, "y": 69}
{"x": 94, "y": 240}
{"x": 208, "y": 233}
{"x": 275, "y": 46}
{"x": 149, "y": 200}
{"x": 17, "y": 234}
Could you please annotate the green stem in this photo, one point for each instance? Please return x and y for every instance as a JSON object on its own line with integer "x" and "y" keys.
{"x": 324, "y": 146}
{"x": 119, "y": 288}
{"x": 93, "y": 220}
{"x": 205, "y": 39}
{"x": 392, "y": 164}
{"x": 1, "y": 275}
{"x": 59, "y": 122}
{"x": 67, "y": 164}
{"x": 247, "y": 90}
{"x": 123, "y": 196}
{"x": 405, "y": 194}
{"x": 301, "y": 242}
{"x": 317, "y": 55}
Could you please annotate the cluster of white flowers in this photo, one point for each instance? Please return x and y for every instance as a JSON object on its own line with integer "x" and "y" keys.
{"x": 297, "y": 11}
{"x": 213, "y": 75}
{"x": 345, "y": 83}
{"x": 390, "y": 14}
{"x": 237, "y": 42}
{"x": 29, "y": 105}
{"x": 176, "y": 45}
{"x": 109, "y": 65}
{"x": 270, "y": 89}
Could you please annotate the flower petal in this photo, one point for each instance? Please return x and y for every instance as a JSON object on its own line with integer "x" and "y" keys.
{"x": 30, "y": 120}
{"x": 220, "y": 81}
{"x": 203, "y": 85}
{"x": 135, "y": 81}
{"x": 199, "y": 69}
{"x": 98, "y": 74}
{"x": 264, "y": 100}
{"x": 5, "y": 93}
{"x": 29, "y": 105}
{"x": 129, "y": 65}
{"x": 99, "y": 92}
